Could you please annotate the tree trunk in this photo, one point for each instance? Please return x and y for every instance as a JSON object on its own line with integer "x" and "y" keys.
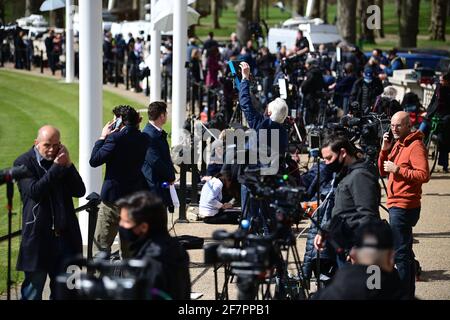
{"x": 27, "y": 8}
{"x": 298, "y": 8}
{"x": 215, "y": 14}
{"x": 142, "y": 9}
{"x": 367, "y": 35}
{"x": 438, "y": 19}
{"x": 380, "y": 32}
{"x": 346, "y": 11}
{"x": 255, "y": 15}
{"x": 244, "y": 15}
{"x": 2, "y": 11}
{"x": 324, "y": 10}
{"x": 408, "y": 13}
{"x": 316, "y": 9}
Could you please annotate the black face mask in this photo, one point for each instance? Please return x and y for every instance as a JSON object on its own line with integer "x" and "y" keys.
{"x": 335, "y": 166}
{"x": 128, "y": 235}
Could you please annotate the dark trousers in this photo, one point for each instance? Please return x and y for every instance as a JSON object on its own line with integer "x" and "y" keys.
{"x": 402, "y": 222}
{"x": 33, "y": 285}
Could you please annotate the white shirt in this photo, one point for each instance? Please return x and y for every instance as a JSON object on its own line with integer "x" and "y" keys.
{"x": 157, "y": 128}
{"x": 210, "y": 198}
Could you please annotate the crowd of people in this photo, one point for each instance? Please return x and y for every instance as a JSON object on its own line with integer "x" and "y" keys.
{"x": 135, "y": 196}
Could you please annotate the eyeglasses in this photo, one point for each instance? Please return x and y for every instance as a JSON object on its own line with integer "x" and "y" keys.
{"x": 396, "y": 126}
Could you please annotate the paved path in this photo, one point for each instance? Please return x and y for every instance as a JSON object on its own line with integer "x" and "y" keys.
{"x": 432, "y": 235}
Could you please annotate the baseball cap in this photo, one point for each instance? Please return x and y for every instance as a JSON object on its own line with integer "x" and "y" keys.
{"x": 368, "y": 73}
{"x": 374, "y": 234}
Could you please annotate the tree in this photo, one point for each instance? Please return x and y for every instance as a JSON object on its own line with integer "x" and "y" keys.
{"x": 324, "y": 10}
{"x": 346, "y": 11}
{"x": 367, "y": 35}
{"x": 244, "y": 15}
{"x": 408, "y": 14}
{"x": 438, "y": 19}
{"x": 298, "y": 8}
{"x": 316, "y": 9}
{"x": 255, "y": 11}
{"x": 380, "y": 32}
{"x": 215, "y": 13}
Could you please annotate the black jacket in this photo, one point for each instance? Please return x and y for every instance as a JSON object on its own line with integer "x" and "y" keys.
{"x": 168, "y": 266}
{"x": 375, "y": 88}
{"x": 47, "y": 202}
{"x": 158, "y": 167}
{"x": 123, "y": 152}
{"x": 357, "y": 195}
{"x": 314, "y": 82}
{"x": 350, "y": 283}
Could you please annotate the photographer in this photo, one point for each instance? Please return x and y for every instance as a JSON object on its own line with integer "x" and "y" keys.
{"x": 311, "y": 86}
{"x": 301, "y": 45}
{"x": 357, "y": 195}
{"x": 277, "y": 111}
{"x": 365, "y": 92}
{"x": 143, "y": 223}
{"x": 51, "y": 233}
{"x": 405, "y": 161}
{"x": 122, "y": 148}
{"x": 373, "y": 248}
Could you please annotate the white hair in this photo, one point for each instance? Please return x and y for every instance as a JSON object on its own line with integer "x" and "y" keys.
{"x": 278, "y": 109}
{"x": 389, "y": 92}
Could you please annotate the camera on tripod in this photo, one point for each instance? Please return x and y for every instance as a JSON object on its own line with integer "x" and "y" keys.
{"x": 252, "y": 258}
{"x": 118, "y": 280}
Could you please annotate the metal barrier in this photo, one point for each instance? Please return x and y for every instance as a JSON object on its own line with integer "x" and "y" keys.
{"x": 91, "y": 207}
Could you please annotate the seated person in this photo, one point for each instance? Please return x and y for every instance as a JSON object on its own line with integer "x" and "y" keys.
{"x": 143, "y": 222}
{"x": 211, "y": 196}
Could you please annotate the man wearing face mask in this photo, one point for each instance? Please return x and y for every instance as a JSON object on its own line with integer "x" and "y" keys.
{"x": 143, "y": 223}
{"x": 357, "y": 194}
{"x": 365, "y": 91}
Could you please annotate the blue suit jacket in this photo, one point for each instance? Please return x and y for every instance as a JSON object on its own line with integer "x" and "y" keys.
{"x": 158, "y": 167}
{"x": 123, "y": 153}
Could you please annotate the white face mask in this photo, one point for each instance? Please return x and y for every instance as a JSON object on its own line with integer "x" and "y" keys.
{"x": 367, "y": 80}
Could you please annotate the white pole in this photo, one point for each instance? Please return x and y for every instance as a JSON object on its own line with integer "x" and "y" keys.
{"x": 179, "y": 70}
{"x": 91, "y": 71}
{"x": 155, "y": 57}
{"x": 309, "y": 8}
{"x": 70, "y": 55}
{"x": 111, "y": 4}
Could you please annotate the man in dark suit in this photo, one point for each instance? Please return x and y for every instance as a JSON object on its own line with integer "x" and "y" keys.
{"x": 158, "y": 167}
{"x": 122, "y": 148}
{"x": 50, "y": 230}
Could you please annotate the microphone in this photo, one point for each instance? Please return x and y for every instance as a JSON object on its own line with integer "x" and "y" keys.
{"x": 14, "y": 173}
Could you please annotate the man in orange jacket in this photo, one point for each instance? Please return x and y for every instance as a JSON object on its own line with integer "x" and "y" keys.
{"x": 405, "y": 161}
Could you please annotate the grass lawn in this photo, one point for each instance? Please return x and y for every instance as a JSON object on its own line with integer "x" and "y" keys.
{"x": 228, "y": 22}
{"x": 27, "y": 103}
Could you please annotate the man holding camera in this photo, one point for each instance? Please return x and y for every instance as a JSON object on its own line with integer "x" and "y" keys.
{"x": 277, "y": 111}
{"x": 143, "y": 223}
{"x": 357, "y": 194}
{"x": 405, "y": 162}
{"x": 122, "y": 148}
{"x": 50, "y": 229}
